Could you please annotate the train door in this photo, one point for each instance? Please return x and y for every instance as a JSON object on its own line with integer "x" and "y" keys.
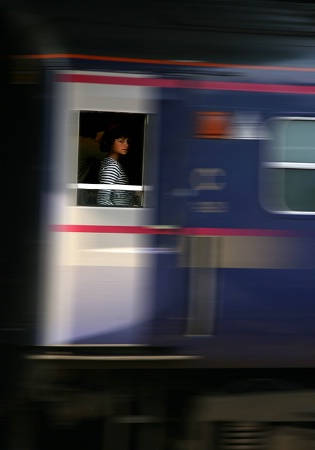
{"x": 205, "y": 189}
{"x": 221, "y": 183}
{"x": 97, "y": 283}
{"x": 170, "y": 277}
{"x": 194, "y": 198}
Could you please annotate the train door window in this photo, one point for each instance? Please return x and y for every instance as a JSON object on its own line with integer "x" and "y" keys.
{"x": 106, "y": 158}
{"x": 288, "y": 169}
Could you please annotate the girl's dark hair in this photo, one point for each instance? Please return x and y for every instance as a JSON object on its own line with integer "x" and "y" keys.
{"x": 114, "y": 132}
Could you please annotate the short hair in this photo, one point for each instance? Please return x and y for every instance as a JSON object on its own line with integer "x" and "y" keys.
{"x": 114, "y": 132}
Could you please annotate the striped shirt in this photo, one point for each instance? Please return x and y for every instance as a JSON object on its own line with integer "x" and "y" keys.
{"x": 112, "y": 172}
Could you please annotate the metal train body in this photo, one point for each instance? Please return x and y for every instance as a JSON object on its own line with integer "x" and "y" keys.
{"x": 218, "y": 262}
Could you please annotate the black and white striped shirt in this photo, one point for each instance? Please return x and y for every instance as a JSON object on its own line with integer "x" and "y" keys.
{"x": 112, "y": 172}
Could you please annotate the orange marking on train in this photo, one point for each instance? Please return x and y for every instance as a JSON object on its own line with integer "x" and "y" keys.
{"x": 212, "y": 125}
{"x": 162, "y": 61}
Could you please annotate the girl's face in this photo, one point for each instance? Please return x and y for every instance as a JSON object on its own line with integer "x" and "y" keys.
{"x": 120, "y": 146}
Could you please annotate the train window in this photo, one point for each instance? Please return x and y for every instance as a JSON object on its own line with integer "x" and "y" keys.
{"x": 110, "y": 152}
{"x": 289, "y": 166}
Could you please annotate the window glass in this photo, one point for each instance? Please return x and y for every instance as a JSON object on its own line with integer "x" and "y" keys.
{"x": 299, "y": 144}
{"x": 300, "y": 189}
{"x": 288, "y": 176}
{"x": 274, "y": 150}
{"x": 106, "y": 158}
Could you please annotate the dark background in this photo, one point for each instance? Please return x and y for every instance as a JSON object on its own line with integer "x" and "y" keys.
{"x": 244, "y": 31}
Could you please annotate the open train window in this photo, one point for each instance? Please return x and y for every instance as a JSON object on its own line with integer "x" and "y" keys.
{"x": 107, "y": 176}
{"x": 288, "y": 175}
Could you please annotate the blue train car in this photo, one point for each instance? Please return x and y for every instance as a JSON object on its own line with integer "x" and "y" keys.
{"x": 240, "y": 283}
{"x": 217, "y": 259}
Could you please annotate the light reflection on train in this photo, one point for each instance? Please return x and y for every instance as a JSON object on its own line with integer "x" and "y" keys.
{"x": 217, "y": 260}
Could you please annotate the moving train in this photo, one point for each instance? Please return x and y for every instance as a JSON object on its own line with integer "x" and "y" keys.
{"x": 217, "y": 261}
{"x": 214, "y": 268}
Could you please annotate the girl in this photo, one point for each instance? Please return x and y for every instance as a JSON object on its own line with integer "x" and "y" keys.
{"x": 116, "y": 142}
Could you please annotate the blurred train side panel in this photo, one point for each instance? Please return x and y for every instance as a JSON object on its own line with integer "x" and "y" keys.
{"x": 220, "y": 249}
{"x": 244, "y": 201}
